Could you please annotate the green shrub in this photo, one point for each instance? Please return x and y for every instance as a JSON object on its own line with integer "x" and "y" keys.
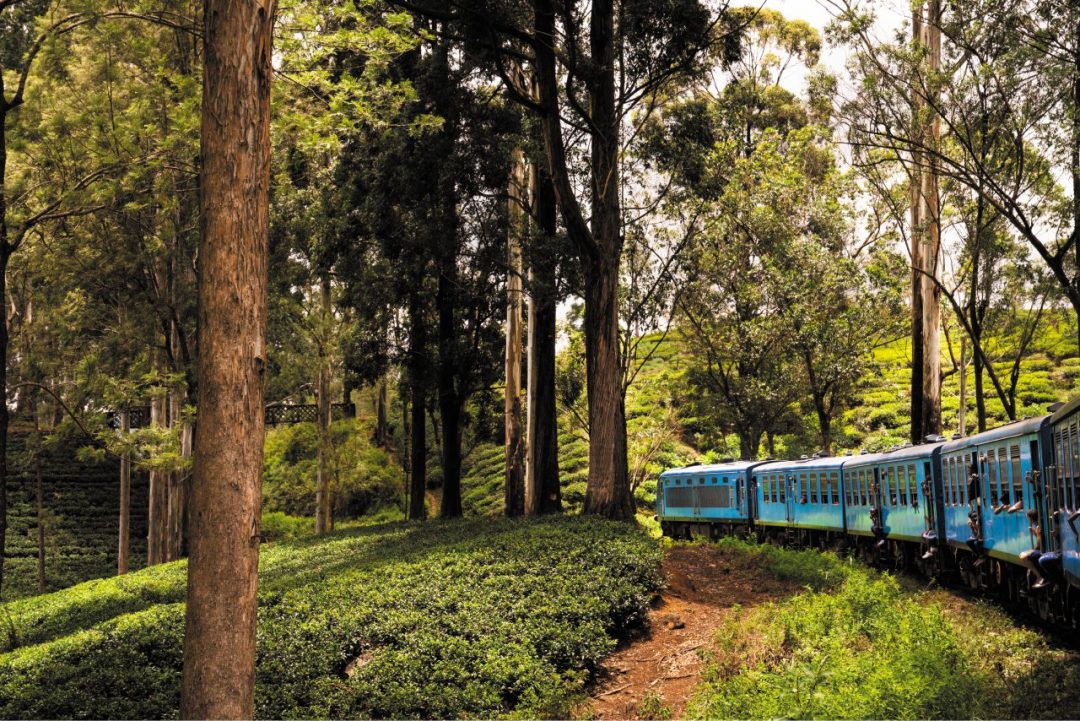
{"x": 481, "y": 618}
{"x": 363, "y": 476}
{"x": 862, "y": 649}
{"x": 278, "y": 526}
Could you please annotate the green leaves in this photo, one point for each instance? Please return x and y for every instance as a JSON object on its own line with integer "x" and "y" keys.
{"x": 446, "y": 619}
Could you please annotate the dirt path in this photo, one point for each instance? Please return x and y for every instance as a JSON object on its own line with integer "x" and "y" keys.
{"x": 703, "y": 583}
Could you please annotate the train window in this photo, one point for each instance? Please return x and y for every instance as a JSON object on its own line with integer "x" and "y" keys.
{"x": 991, "y": 477}
{"x": 766, "y": 489}
{"x": 813, "y": 487}
{"x": 1059, "y": 456}
{"x": 1004, "y": 490}
{"x": 847, "y": 491}
{"x": 864, "y": 486}
{"x": 948, "y": 472}
{"x": 1017, "y": 471}
{"x": 890, "y": 486}
{"x": 834, "y": 487}
{"x": 957, "y": 474}
{"x": 902, "y": 485}
{"x": 1074, "y": 467}
{"x": 826, "y": 487}
{"x": 913, "y": 484}
{"x": 1064, "y": 468}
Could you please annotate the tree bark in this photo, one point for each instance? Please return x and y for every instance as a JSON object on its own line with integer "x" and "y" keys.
{"x": 962, "y": 414}
{"x": 449, "y": 399}
{"x": 381, "y": 435}
{"x": 40, "y": 487}
{"x": 598, "y": 247}
{"x": 542, "y": 491}
{"x": 219, "y": 640}
{"x": 925, "y": 241}
{"x": 176, "y": 501}
{"x": 157, "y": 510}
{"x": 417, "y": 386}
{"x": 516, "y": 232}
{"x": 125, "y": 500}
{"x": 322, "y": 473}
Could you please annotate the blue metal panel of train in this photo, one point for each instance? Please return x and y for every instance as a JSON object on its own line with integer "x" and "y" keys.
{"x": 800, "y": 494}
{"x": 909, "y": 505}
{"x": 1062, "y": 493}
{"x": 714, "y": 493}
{"x": 861, "y": 494}
{"x": 988, "y": 486}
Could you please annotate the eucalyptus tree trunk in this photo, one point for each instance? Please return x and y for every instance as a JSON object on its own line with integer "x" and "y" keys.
{"x": 157, "y": 504}
{"x": 598, "y": 244}
{"x": 124, "y": 545}
{"x": 542, "y": 491}
{"x": 224, "y": 513}
{"x": 418, "y": 403}
{"x": 322, "y": 480}
{"x": 40, "y": 488}
{"x": 925, "y": 238}
{"x": 518, "y": 229}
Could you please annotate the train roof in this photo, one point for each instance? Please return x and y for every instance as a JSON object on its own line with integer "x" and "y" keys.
{"x": 806, "y": 463}
{"x": 1022, "y": 427}
{"x": 905, "y": 453}
{"x": 700, "y": 469}
{"x": 1065, "y": 411}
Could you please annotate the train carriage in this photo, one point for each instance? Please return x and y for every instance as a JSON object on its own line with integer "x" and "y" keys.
{"x": 891, "y": 501}
{"x": 1062, "y": 499}
{"x": 993, "y": 505}
{"x": 801, "y": 499}
{"x": 714, "y": 499}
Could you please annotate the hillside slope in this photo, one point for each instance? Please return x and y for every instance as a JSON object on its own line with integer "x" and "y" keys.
{"x": 474, "y": 618}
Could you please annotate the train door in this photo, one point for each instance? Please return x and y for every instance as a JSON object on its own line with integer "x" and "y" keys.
{"x": 927, "y": 487}
{"x": 1039, "y": 497}
{"x": 792, "y": 497}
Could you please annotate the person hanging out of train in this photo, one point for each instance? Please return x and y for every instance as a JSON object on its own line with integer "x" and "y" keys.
{"x": 1031, "y": 557}
{"x": 975, "y": 542}
{"x": 877, "y": 519}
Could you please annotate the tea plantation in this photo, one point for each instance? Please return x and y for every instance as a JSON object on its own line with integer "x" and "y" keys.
{"x": 443, "y": 619}
{"x": 82, "y": 507}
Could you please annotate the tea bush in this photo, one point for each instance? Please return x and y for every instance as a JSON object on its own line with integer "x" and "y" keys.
{"x": 443, "y": 619}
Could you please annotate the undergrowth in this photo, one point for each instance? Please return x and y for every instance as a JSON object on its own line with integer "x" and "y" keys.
{"x": 856, "y": 644}
{"x": 444, "y": 619}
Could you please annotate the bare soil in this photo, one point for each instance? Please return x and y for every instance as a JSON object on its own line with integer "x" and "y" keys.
{"x": 703, "y": 583}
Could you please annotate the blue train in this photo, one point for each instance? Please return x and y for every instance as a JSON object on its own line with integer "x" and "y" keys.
{"x": 1001, "y": 509}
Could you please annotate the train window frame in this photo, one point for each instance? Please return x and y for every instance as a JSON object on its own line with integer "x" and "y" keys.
{"x": 890, "y": 485}
{"x": 1004, "y": 481}
{"x": 989, "y": 461}
{"x": 948, "y": 465}
{"x": 913, "y": 484}
{"x": 1064, "y": 462}
{"x": 826, "y": 488}
{"x": 864, "y": 485}
{"x": 782, "y": 487}
{"x": 901, "y": 485}
{"x": 813, "y": 481}
{"x": 1075, "y": 464}
{"x": 1016, "y": 474}
{"x": 834, "y": 486}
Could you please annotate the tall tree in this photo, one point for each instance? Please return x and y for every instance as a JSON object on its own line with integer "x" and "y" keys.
{"x": 517, "y": 231}
{"x": 925, "y": 230}
{"x": 219, "y": 637}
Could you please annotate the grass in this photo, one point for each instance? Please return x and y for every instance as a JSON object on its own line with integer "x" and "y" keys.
{"x": 476, "y": 618}
{"x": 859, "y": 644}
